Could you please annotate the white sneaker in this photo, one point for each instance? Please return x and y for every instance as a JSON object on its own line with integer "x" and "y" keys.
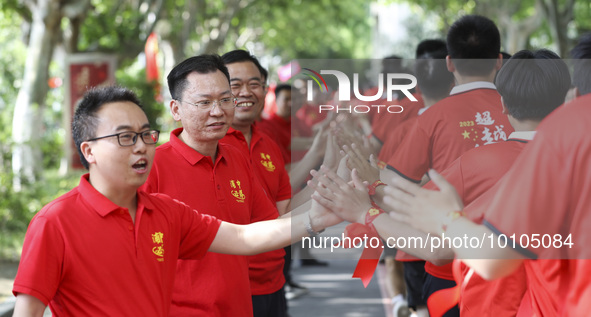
{"x": 293, "y": 291}
{"x": 400, "y": 308}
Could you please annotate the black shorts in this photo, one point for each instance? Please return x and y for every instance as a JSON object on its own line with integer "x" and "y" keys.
{"x": 414, "y": 277}
{"x": 433, "y": 284}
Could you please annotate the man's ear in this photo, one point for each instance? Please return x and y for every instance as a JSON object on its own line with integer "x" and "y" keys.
{"x": 503, "y": 106}
{"x": 174, "y": 109}
{"x": 499, "y": 62}
{"x": 86, "y": 150}
{"x": 450, "y": 64}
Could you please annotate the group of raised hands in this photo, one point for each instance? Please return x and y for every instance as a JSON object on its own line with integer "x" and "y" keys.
{"x": 350, "y": 184}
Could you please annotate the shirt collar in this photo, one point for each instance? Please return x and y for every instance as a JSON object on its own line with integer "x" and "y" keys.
{"x": 255, "y": 134}
{"x": 522, "y": 135}
{"x": 101, "y": 204}
{"x": 471, "y": 86}
{"x": 189, "y": 154}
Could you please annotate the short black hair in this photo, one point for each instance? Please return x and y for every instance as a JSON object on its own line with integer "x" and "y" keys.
{"x": 85, "y": 122}
{"x": 429, "y": 46}
{"x": 202, "y": 64}
{"x": 474, "y": 43}
{"x": 281, "y": 87}
{"x": 533, "y": 84}
{"x": 237, "y": 56}
{"x": 392, "y": 64}
{"x": 506, "y": 57}
{"x": 433, "y": 78}
{"x": 582, "y": 64}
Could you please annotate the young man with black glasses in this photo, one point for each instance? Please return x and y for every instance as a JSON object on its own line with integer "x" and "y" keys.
{"x": 108, "y": 248}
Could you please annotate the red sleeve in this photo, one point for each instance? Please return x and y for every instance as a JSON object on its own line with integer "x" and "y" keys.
{"x": 261, "y": 206}
{"x": 455, "y": 176}
{"x": 284, "y": 184}
{"x": 535, "y": 196}
{"x": 197, "y": 231}
{"x": 411, "y": 159}
{"x": 40, "y": 269}
{"x": 393, "y": 141}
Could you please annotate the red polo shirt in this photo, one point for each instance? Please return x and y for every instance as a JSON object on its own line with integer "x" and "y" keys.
{"x": 279, "y": 130}
{"x": 394, "y": 140}
{"x": 84, "y": 256}
{"x": 218, "y": 284}
{"x": 306, "y": 117}
{"x": 384, "y": 123}
{"x": 266, "y": 159}
{"x": 266, "y": 269}
{"x": 470, "y": 117}
{"x": 473, "y": 174}
{"x": 546, "y": 192}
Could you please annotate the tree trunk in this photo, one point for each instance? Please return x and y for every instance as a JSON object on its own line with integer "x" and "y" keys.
{"x": 516, "y": 34}
{"x": 27, "y": 120}
{"x": 558, "y": 19}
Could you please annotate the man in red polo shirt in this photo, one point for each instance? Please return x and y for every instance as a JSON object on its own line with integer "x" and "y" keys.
{"x": 214, "y": 177}
{"x": 248, "y": 84}
{"x": 109, "y": 249}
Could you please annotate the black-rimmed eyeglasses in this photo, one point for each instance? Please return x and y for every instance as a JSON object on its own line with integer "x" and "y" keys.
{"x": 129, "y": 138}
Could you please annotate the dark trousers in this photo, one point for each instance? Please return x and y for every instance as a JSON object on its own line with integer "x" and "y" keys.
{"x": 432, "y": 285}
{"x": 270, "y": 305}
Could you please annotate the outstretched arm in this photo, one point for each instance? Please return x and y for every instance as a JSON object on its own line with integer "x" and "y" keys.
{"x": 264, "y": 236}
{"x": 438, "y": 211}
{"x": 352, "y": 202}
{"x": 28, "y": 306}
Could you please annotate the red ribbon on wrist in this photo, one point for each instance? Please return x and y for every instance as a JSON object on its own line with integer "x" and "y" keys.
{"x": 370, "y": 256}
{"x": 371, "y": 189}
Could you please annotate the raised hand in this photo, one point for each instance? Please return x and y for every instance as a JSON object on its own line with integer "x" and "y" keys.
{"x": 348, "y": 200}
{"x": 425, "y": 210}
{"x": 366, "y": 170}
{"x": 320, "y": 216}
{"x": 332, "y": 155}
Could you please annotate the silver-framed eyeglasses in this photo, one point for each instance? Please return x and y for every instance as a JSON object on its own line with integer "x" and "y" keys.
{"x": 224, "y": 103}
{"x": 129, "y": 138}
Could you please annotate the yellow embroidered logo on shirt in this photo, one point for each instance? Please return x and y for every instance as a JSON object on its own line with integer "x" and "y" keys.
{"x": 158, "y": 238}
{"x": 237, "y": 191}
{"x": 267, "y": 163}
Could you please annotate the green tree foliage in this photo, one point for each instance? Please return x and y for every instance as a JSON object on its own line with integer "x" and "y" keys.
{"x": 283, "y": 29}
{"x": 524, "y": 24}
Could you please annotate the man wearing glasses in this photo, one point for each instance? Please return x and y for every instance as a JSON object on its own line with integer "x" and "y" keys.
{"x": 109, "y": 249}
{"x": 213, "y": 178}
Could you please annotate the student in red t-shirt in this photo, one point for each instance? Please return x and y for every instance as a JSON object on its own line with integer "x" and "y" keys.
{"x": 470, "y": 117}
{"x": 278, "y": 124}
{"x": 543, "y": 195}
{"x": 434, "y": 82}
{"x": 384, "y": 123}
{"x": 532, "y": 85}
{"x": 107, "y": 248}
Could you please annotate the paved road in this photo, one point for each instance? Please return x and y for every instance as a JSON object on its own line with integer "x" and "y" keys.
{"x": 333, "y": 293}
